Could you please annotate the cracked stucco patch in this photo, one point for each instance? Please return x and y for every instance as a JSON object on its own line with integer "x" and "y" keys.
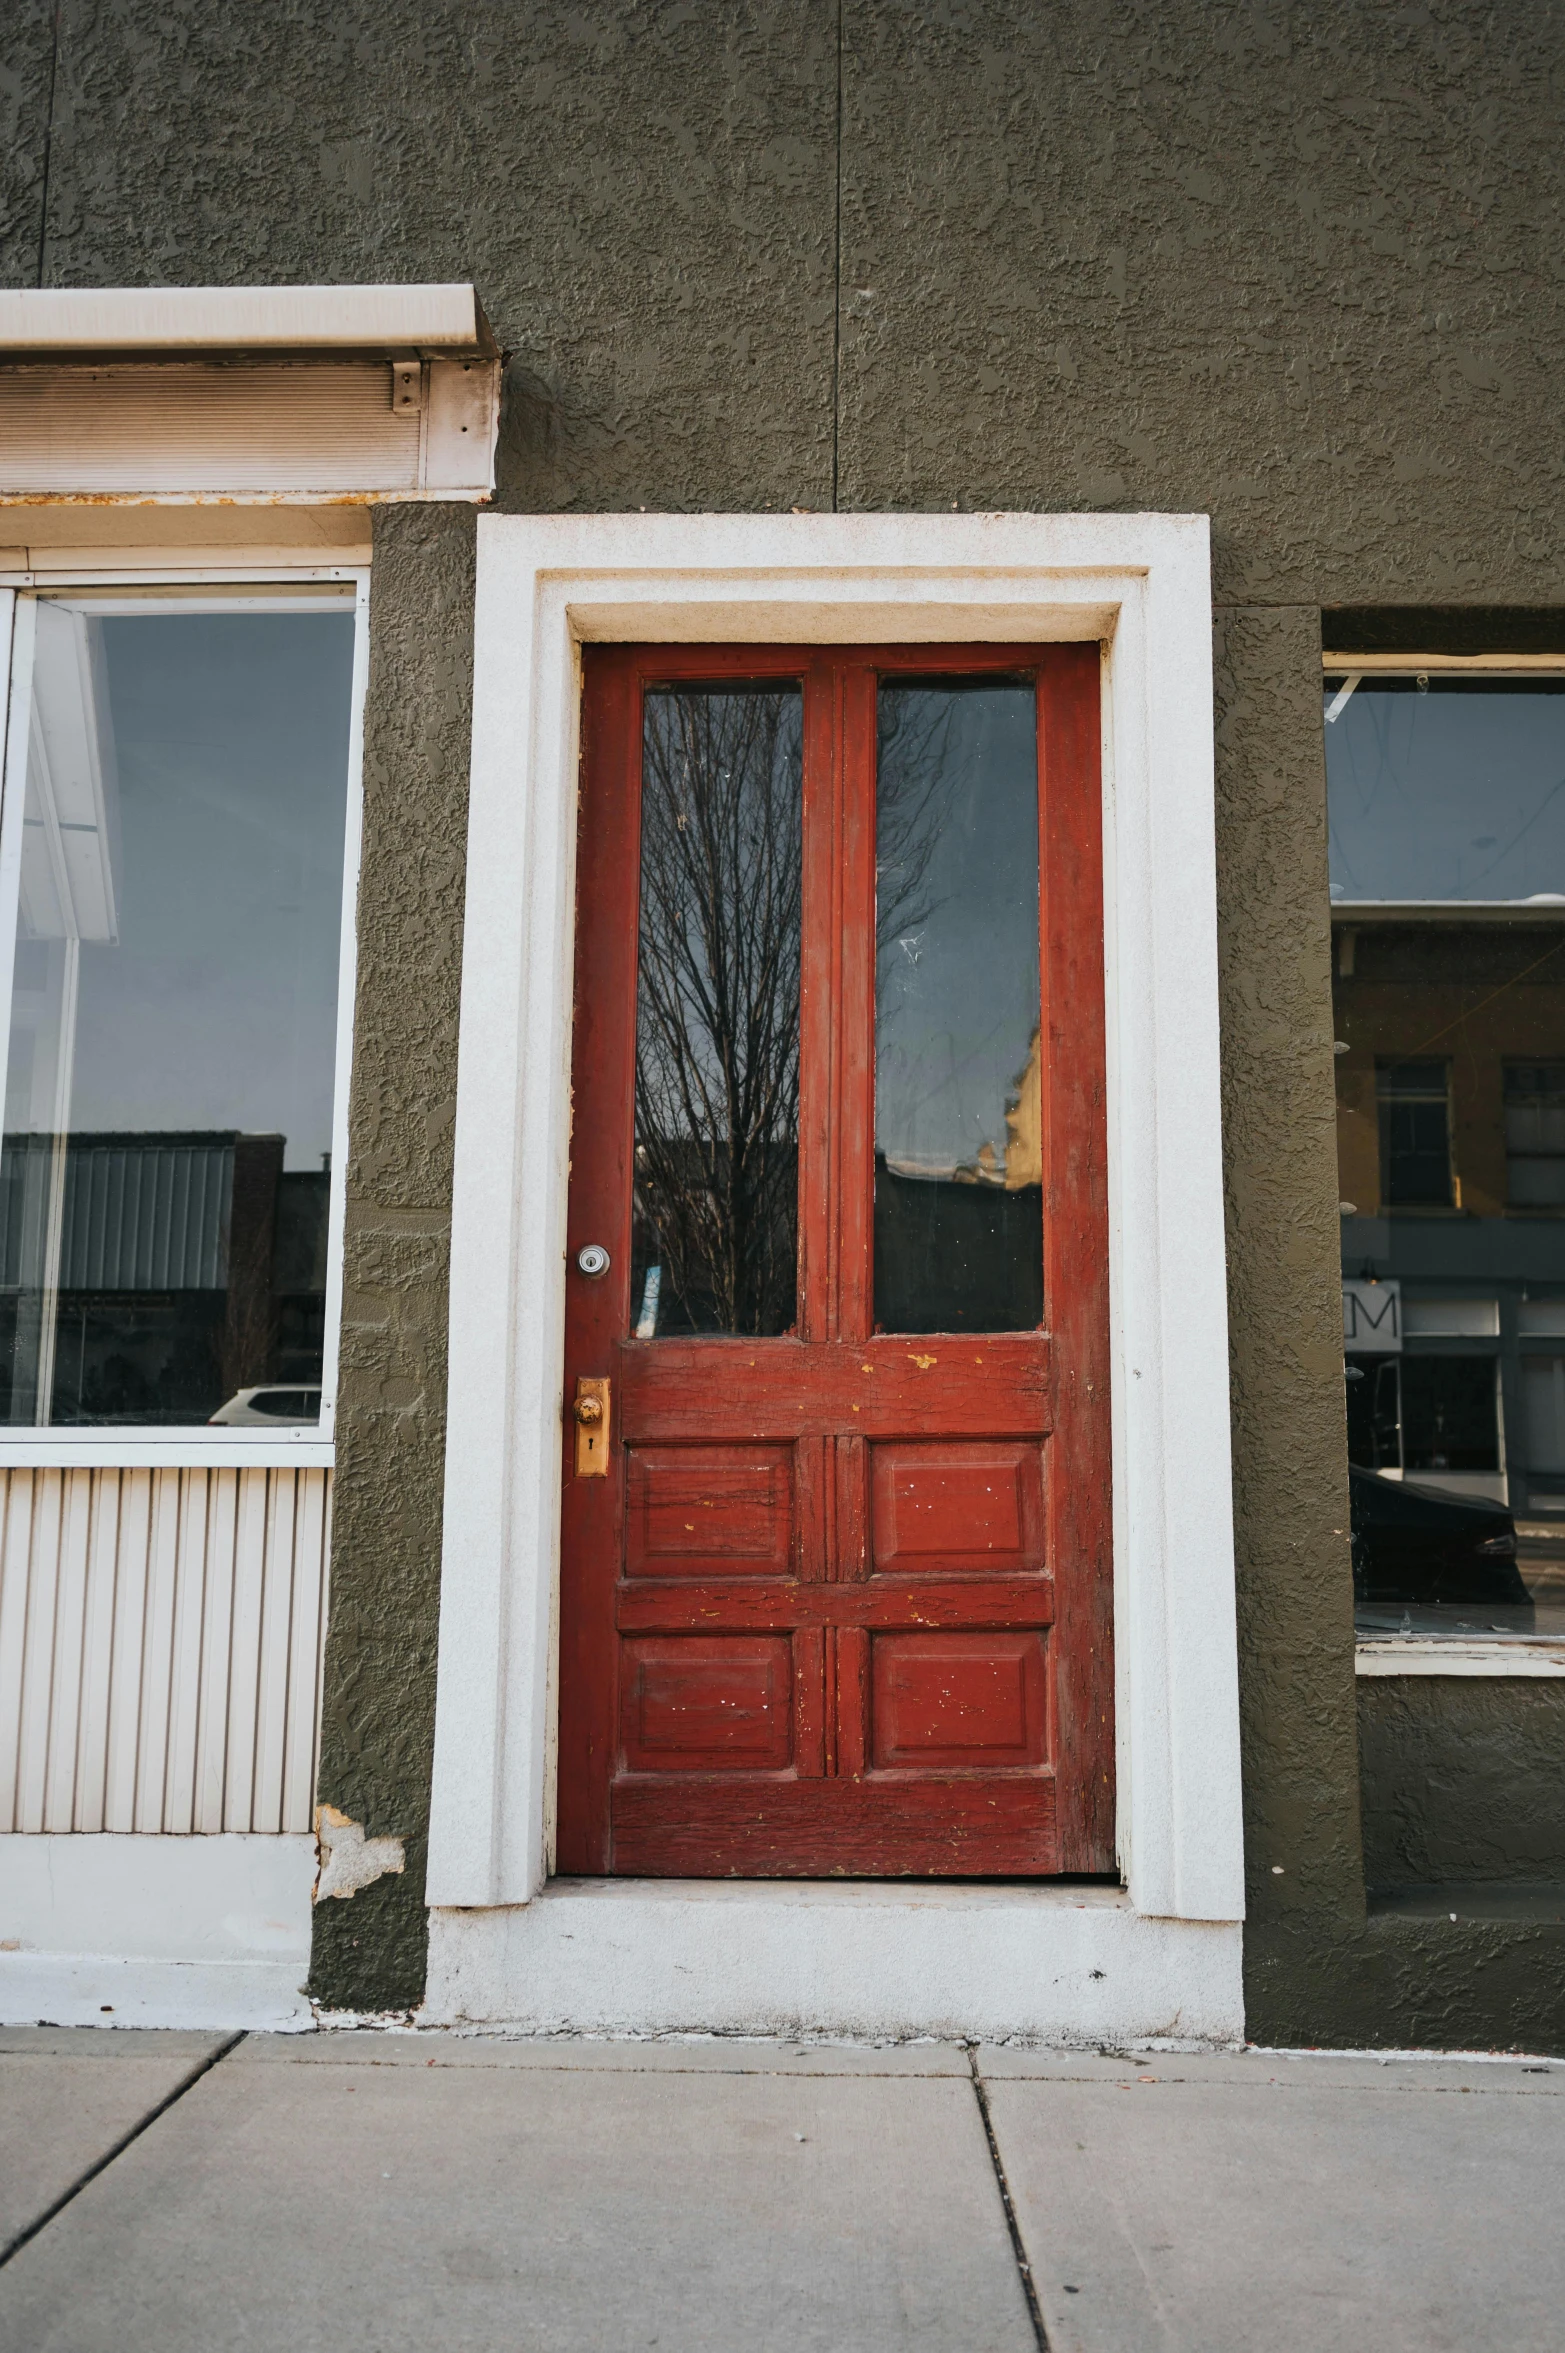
{"x": 349, "y": 1860}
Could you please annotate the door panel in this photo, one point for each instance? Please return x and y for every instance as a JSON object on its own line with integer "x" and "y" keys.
{"x": 709, "y": 1510}
{"x": 892, "y": 1826}
{"x": 973, "y": 1701}
{"x": 701, "y": 1703}
{"x": 837, "y": 1607}
{"x": 953, "y": 1507}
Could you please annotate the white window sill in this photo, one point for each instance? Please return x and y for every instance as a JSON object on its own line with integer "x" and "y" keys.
{"x": 194, "y": 1449}
{"x": 1407, "y": 1655}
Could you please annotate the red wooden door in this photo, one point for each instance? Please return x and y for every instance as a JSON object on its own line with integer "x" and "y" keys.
{"x": 838, "y": 1600}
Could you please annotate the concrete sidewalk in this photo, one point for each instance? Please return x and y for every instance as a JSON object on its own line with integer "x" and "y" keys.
{"x": 368, "y": 2193}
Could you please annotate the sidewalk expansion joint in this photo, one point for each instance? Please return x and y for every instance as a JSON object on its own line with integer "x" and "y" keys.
{"x": 1018, "y": 2248}
{"x": 99, "y": 2165}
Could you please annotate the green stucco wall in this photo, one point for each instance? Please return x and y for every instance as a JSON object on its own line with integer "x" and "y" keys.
{"x": 378, "y": 1722}
{"x": 1464, "y": 1782}
{"x": 1300, "y": 269}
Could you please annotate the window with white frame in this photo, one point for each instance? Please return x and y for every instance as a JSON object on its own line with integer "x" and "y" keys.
{"x": 175, "y": 886}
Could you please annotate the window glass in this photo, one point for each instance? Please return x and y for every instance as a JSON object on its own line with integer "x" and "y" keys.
{"x": 1447, "y": 816}
{"x": 958, "y": 1107}
{"x": 172, "y": 861}
{"x": 715, "y": 1205}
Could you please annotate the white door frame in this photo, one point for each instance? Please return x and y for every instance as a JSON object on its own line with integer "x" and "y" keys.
{"x": 1139, "y": 584}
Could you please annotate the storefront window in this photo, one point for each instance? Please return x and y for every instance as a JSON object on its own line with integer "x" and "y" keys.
{"x": 171, "y": 890}
{"x": 1447, "y": 810}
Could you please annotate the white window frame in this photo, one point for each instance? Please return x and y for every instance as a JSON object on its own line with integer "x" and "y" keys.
{"x": 1411, "y": 1654}
{"x": 205, "y": 588}
{"x": 1139, "y": 584}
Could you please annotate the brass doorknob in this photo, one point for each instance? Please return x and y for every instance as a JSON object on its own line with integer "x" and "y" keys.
{"x": 589, "y": 1409}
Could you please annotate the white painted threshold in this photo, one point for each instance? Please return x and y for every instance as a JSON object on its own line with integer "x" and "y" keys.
{"x": 1065, "y": 1964}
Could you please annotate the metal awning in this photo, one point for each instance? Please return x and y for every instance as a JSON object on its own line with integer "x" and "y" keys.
{"x": 246, "y": 395}
{"x": 98, "y": 322}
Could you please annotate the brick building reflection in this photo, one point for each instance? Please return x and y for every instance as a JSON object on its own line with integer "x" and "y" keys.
{"x": 1450, "y": 1030}
{"x": 146, "y": 1277}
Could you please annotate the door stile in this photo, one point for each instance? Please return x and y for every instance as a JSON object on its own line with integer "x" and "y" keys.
{"x": 1078, "y": 1501}
{"x": 818, "y": 1003}
{"x": 854, "y": 945}
{"x": 811, "y": 1717}
{"x": 852, "y": 1696}
{"x": 603, "y": 1059}
{"x": 814, "y": 1647}
{"x": 812, "y": 1644}
{"x": 830, "y": 1694}
{"x": 852, "y": 1482}
{"x": 852, "y": 1566}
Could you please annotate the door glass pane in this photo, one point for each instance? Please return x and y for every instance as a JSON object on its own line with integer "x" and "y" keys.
{"x": 715, "y": 1217}
{"x": 173, "y": 1017}
{"x": 1448, "y": 918}
{"x": 958, "y": 1140}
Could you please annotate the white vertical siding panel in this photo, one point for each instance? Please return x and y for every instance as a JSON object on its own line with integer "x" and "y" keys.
{"x": 130, "y": 1625}
{"x": 221, "y": 1545}
{"x": 38, "y": 1656}
{"x": 70, "y": 1663}
{"x": 92, "y": 1735}
{"x": 16, "y": 1511}
{"x": 304, "y": 1658}
{"x": 65, "y": 1695}
{"x": 271, "y": 1707}
{"x": 244, "y": 1669}
{"x": 184, "y": 1712}
{"x": 157, "y": 1652}
{"x": 161, "y": 1638}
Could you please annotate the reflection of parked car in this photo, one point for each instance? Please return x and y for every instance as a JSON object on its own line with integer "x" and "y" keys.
{"x": 1419, "y": 1545}
{"x": 272, "y": 1405}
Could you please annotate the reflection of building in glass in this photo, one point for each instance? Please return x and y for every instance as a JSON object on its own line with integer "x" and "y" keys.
{"x": 146, "y": 1278}
{"x": 1024, "y": 1122}
{"x": 177, "y": 867}
{"x": 1451, "y": 1137}
{"x": 973, "y": 1232}
{"x": 1447, "y": 860}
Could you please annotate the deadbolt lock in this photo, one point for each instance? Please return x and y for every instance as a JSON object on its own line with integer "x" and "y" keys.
{"x": 591, "y": 1413}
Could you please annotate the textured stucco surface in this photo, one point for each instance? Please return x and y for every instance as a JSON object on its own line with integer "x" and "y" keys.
{"x": 378, "y": 1728}
{"x": 26, "y": 68}
{"x": 1301, "y": 270}
{"x": 1452, "y": 1784}
{"x": 644, "y": 194}
{"x": 1464, "y": 1779}
{"x": 1295, "y": 1596}
{"x": 1283, "y": 265}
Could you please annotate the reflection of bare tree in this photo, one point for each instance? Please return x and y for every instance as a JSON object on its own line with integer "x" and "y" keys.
{"x": 913, "y": 783}
{"x": 717, "y": 1025}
